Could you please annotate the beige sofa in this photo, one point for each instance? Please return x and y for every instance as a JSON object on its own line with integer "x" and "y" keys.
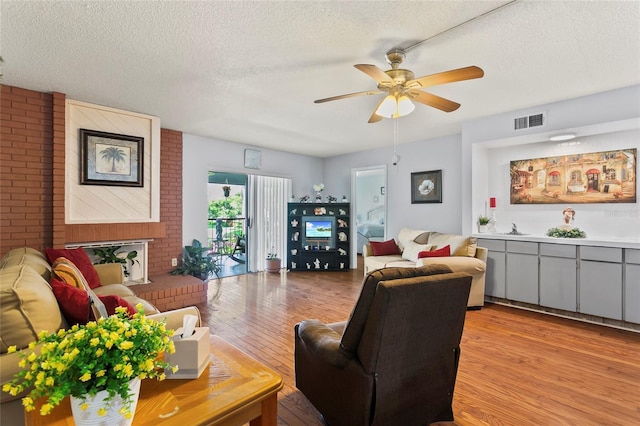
{"x": 466, "y": 256}
{"x": 28, "y": 306}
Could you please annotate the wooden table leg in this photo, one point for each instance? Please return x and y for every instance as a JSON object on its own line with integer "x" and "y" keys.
{"x": 269, "y": 415}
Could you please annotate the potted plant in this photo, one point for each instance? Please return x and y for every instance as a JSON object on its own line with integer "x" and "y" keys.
{"x": 273, "y": 263}
{"x": 198, "y": 261}
{"x": 99, "y": 365}
{"x": 109, "y": 255}
{"x": 483, "y": 221}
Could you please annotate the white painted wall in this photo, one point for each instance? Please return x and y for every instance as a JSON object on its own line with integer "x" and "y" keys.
{"x": 468, "y": 162}
{"x": 603, "y": 121}
{"x": 435, "y": 154}
{"x": 603, "y": 221}
{"x": 201, "y": 155}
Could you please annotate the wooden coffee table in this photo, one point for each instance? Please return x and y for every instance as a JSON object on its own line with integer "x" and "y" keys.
{"x": 233, "y": 390}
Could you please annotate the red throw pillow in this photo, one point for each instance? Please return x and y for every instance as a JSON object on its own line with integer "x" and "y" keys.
{"x": 442, "y": 252}
{"x": 385, "y": 248}
{"x": 80, "y": 258}
{"x": 74, "y": 302}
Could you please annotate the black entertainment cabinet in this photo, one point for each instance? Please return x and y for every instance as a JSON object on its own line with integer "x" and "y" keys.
{"x": 318, "y": 237}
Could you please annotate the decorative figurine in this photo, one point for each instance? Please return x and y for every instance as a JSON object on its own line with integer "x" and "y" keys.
{"x": 318, "y": 188}
{"x": 569, "y": 216}
{"x": 342, "y": 236}
{"x": 342, "y": 223}
{"x": 331, "y": 199}
{"x": 304, "y": 199}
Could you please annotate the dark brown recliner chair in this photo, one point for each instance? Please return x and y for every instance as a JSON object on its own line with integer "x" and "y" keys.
{"x": 394, "y": 362}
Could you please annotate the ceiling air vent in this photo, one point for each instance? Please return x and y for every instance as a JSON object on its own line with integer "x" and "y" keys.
{"x": 526, "y": 122}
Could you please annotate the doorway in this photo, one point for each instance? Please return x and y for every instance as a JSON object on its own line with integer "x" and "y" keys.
{"x": 369, "y": 195}
{"x": 227, "y": 221}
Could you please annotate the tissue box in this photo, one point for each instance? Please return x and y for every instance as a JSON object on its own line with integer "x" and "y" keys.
{"x": 191, "y": 355}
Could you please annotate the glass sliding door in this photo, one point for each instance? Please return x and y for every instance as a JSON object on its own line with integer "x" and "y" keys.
{"x": 227, "y": 223}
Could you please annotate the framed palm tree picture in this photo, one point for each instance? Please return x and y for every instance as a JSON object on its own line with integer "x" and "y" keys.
{"x": 111, "y": 159}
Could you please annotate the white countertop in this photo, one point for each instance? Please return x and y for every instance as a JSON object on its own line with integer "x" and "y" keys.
{"x": 632, "y": 243}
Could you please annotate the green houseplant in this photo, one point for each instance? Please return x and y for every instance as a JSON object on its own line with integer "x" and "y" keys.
{"x": 198, "y": 261}
{"x": 566, "y": 233}
{"x": 483, "y": 221}
{"x": 109, "y": 255}
{"x": 103, "y": 355}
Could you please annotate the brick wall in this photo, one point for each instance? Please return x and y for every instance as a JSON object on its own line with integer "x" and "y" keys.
{"x": 26, "y": 184}
{"x": 161, "y": 251}
{"x": 32, "y": 172}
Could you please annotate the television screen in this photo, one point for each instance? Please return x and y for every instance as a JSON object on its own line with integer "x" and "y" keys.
{"x": 320, "y": 229}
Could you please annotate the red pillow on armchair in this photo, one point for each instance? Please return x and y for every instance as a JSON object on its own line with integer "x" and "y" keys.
{"x": 441, "y": 252}
{"x": 80, "y": 258}
{"x": 385, "y": 248}
{"x": 74, "y": 302}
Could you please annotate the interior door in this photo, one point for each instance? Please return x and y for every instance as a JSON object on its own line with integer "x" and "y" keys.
{"x": 368, "y": 206}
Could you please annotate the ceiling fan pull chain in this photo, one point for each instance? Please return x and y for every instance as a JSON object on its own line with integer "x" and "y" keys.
{"x": 395, "y": 158}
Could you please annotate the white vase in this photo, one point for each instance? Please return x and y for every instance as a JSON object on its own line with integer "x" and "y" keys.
{"x": 90, "y": 417}
{"x": 482, "y": 228}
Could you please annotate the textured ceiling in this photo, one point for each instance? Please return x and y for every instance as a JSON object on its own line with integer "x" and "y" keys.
{"x": 249, "y": 71}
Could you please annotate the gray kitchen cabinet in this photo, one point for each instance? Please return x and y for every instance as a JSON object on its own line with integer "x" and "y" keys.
{"x": 522, "y": 271}
{"x": 601, "y": 281}
{"x": 632, "y": 286}
{"x": 558, "y": 276}
{"x": 496, "y": 267}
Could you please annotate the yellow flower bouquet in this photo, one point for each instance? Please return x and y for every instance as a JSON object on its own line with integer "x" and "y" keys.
{"x": 103, "y": 355}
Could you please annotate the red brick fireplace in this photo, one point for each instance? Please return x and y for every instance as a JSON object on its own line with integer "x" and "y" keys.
{"x": 32, "y": 184}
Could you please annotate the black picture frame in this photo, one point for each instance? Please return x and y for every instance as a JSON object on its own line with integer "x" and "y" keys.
{"x": 111, "y": 159}
{"x": 426, "y": 187}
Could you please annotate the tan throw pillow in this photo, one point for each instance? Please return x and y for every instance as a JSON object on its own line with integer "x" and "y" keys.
{"x": 406, "y": 236}
{"x": 412, "y": 250}
{"x": 460, "y": 245}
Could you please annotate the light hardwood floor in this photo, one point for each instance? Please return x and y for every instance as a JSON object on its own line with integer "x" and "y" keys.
{"x": 517, "y": 367}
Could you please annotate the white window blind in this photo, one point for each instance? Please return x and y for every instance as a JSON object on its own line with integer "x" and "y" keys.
{"x": 268, "y": 219}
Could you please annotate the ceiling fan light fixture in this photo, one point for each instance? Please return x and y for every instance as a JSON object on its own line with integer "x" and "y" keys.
{"x": 388, "y": 107}
{"x": 395, "y": 106}
{"x": 405, "y": 106}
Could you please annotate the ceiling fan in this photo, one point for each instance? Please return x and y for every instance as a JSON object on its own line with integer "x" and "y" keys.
{"x": 402, "y": 87}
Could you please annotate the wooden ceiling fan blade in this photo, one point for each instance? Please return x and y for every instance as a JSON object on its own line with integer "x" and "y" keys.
{"x": 460, "y": 74}
{"x": 375, "y": 73}
{"x": 349, "y": 95}
{"x": 375, "y": 117}
{"x": 433, "y": 101}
